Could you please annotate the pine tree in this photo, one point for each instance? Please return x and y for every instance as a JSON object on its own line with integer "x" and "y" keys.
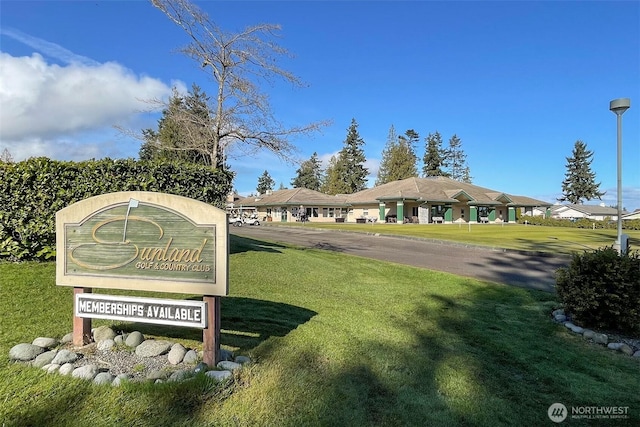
{"x": 309, "y": 175}
{"x": 434, "y": 156}
{"x": 456, "y": 159}
{"x": 182, "y": 130}
{"x": 348, "y": 167}
{"x": 387, "y": 153}
{"x": 335, "y": 177}
{"x": 265, "y": 183}
{"x": 579, "y": 182}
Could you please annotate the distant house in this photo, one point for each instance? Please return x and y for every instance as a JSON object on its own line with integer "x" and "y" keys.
{"x": 593, "y": 212}
{"x": 415, "y": 200}
{"x": 632, "y": 215}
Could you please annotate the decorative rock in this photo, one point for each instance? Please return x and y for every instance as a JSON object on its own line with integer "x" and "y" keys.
{"x": 588, "y": 334}
{"x": 86, "y": 372}
{"x": 624, "y": 348}
{"x": 119, "y": 339}
{"x": 134, "y": 339}
{"x": 219, "y": 375}
{"x": 225, "y": 354}
{"x": 614, "y": 345}
{"x": 200, "y": 367}
{"x": 102, "y": 333}
{"x": 229, "y": 366}
{"x": 179, "y": 375}
{"x": 243, "y": 360}
{"x": 601, "y": 338}
{"x": 107, "y": 344}
{"x": 157, "y": 375}
{"x": 577, "y": 329}
{"x": 103, "y": 378}
{"x": 177, "y": 353}
{"x": 67, "y": 338}
{"x": 557, "y": 312}
{"x": 51, "y": 368}
{"x": 45, "y": 342}
{"x": 25, "y": 352}
{"x": 152, "y": 348}
{"x": 636, "y": 354}
{"x": 560, "y": 318}
{"x": 119, "y": 379}
{"x": 65, "y": 356}
{"x": 190, "y": 357}
{"x": 66, "y": 369}
{"x": 44, "y": 358}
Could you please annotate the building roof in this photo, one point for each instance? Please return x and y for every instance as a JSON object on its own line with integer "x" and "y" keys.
{"x": 587, "y": 209}
{"x": 293, "y": 197}
{"x": 439, "y": 189}
{"x": 422, "y": 190}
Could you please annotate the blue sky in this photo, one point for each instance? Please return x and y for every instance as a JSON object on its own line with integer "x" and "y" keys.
{"x": 519, "y": 82}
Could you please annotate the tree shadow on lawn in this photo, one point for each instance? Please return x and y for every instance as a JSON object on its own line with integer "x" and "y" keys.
{"x": 484, "y": 356}
{"x": 245, "y": 323}
{"x": 511, "y": 268}
{"x": 239, "y": 244}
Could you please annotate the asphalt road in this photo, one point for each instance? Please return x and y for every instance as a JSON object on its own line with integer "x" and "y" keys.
{"x": 501, "y": 266}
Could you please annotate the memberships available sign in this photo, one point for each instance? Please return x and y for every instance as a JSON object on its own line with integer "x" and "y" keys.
{"x": 143, "y": 241}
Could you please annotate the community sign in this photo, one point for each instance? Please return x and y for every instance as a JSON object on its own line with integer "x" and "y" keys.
{"x": 143, "y": 241}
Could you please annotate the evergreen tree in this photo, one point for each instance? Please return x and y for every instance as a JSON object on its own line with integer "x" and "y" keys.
{"x": 579, "y": 182}
{"x": 348, "y": 167}
{"x": 335, "y": 177}
{"x": 182, "y": 130}
{"x": 265, "y": 183}
{"x": 387, "y": 153}
{"x": 456, "y": 159}
{"x": 434, "y": 156}
{"x": 309, "y": 174}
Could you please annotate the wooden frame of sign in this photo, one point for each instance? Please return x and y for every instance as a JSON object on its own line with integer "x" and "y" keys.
{"x": 145, "y": 241}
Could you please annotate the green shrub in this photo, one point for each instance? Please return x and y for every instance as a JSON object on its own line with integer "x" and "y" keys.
{"x": 601, "y": 289}
{"x": 629, "y": 224}
{"x": 32, "y": 191}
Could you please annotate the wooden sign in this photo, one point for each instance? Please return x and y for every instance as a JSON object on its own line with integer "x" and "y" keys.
{"x": 143, "y": 241}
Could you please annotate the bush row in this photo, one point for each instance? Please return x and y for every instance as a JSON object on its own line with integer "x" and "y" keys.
{"x": 601, "y": 289}
{"x": 629, "y": 224}
{"x": 32, "y": 191}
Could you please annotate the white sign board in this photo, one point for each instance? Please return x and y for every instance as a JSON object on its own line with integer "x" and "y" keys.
{"x": 145, "y": 310}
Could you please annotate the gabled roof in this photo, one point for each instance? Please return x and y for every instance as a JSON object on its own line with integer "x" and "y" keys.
{"x": 439, "y": 190}
{"x": 587, "y": 209}
{"x": 293, "y": 197}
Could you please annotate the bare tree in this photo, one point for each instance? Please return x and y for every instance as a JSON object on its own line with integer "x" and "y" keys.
{"x": 241, "y": 114}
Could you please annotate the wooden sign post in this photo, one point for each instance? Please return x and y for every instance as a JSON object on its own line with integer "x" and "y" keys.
{"x": 144, "y": 241}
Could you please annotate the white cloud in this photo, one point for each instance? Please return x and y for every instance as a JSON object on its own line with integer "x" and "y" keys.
{"x": 41, "y": 100}
{"x": 68, "y": 111}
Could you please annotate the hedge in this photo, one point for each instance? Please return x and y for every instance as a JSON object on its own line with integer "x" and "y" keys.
{"x": 32, "y": 191}
{"x": 628, "y": 224}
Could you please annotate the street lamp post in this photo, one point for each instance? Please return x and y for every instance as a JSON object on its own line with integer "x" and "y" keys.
{"x": 619, "y": 106}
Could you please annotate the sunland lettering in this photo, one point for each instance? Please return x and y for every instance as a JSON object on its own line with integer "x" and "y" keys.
{"x": 172, "y": 254}
{"x": 167, "y": 257}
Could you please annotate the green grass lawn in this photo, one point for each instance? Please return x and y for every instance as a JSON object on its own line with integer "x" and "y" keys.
{"x": 338, "y": 341}
{"x": 511, "y": 236}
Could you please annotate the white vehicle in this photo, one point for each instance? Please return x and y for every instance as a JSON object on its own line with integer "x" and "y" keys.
{"x": 236, "y": 221}
{"x": 252, "y": 220}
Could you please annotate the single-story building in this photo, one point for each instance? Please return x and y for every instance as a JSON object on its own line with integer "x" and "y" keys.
{"x": 413, "y": 200}
{"x": 632, "y": 215}
{"x": 593, "y": 212}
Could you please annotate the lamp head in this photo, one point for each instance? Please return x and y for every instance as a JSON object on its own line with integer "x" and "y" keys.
{"x": 620, "y": 105}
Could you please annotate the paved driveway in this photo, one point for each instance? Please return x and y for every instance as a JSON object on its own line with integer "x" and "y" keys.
{"x": 501, "y": 266}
